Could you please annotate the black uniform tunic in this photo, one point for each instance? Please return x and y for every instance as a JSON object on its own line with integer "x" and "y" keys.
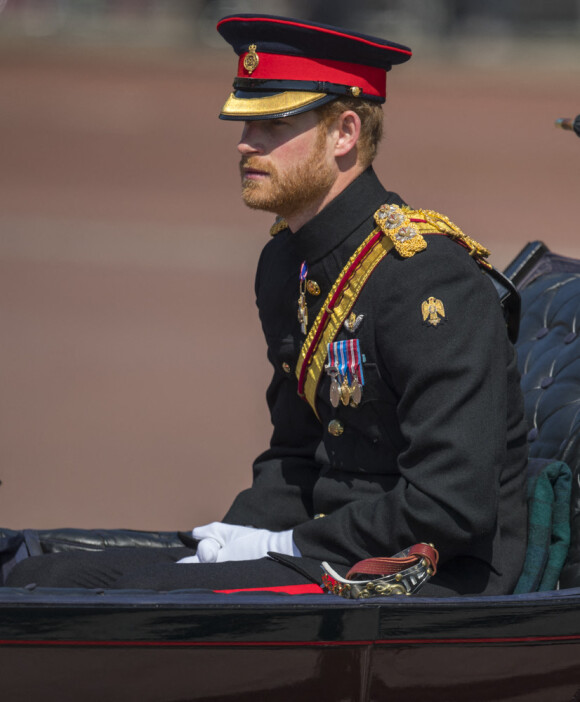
{"x": 436, "y": 450}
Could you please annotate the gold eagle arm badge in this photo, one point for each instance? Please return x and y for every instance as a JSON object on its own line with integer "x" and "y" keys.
{"x": 433, "y": 311}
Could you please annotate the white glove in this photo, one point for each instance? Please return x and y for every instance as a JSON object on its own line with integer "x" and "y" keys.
{"x": 213, "y": 537}
{"x": 257, "y": 545}
{"x": 230, "y": 542}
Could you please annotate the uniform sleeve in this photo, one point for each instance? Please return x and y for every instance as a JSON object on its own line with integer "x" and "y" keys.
{"x": 280, "y": 496}
{"x": 449, "y": 378}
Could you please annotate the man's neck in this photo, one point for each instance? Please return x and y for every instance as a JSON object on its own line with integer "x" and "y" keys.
{"x": 343, "y": 180}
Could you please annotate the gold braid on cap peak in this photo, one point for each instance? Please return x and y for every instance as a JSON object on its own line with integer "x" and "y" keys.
{"x": 405, "y": 227}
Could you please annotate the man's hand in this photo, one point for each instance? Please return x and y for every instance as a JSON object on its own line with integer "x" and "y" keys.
{"x": 219, "y": 542}
{"x": 215, "y": 536}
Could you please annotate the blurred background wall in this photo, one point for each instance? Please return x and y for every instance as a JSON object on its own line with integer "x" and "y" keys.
{"x": 132, "y": 368}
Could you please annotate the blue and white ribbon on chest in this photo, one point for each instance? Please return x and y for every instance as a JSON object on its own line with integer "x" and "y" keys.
{"x": 345, "y": 370}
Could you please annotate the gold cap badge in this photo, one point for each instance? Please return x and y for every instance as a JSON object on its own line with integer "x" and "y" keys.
{"x": 251, "y": 59}
{"x": 433, "y": 311}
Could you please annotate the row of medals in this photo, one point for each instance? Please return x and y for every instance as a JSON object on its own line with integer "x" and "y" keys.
{"x": 341, "y": 390}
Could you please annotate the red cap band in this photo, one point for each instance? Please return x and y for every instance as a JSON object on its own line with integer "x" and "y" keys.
{"x": 371, "y": 80}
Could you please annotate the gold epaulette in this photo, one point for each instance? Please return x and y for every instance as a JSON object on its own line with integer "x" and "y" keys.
{"x": 405, "y": 227}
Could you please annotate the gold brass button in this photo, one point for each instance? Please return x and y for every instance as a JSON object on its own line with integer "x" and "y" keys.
{"x": 319, "y": 515}
{"x": 335, "y": 427}
{"x": 286, "y": 367}
{"x": 312, "y": 287}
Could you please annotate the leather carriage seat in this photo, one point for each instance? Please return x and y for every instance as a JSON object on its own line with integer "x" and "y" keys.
{"x": 549, "y": 362}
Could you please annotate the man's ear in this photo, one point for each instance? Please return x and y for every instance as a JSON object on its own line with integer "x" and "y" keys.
{"x": 347, "y": 133}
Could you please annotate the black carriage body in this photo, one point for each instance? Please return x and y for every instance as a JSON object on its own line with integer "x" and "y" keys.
{"x": 84, "y": 645}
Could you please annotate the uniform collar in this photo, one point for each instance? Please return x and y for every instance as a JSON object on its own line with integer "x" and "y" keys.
{"x": 341, "y": 217}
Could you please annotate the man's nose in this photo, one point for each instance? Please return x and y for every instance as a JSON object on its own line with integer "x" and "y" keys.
{"x": 249, "y": 142}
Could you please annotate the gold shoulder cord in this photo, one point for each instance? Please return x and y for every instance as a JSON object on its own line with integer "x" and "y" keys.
{"x": 397, "y": 227}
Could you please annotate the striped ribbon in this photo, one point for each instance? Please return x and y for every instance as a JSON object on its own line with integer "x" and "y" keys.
{"x": 345, "y": 356}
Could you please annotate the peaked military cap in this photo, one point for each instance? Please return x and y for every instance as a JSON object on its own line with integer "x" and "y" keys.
{"x": 287, "y": 66}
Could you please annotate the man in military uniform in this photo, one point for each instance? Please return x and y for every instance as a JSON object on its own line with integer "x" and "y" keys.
{"x": 395, "y": 401}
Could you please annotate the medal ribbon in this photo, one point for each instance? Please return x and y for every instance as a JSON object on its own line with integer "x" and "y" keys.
{"x": 302, "y": 306}
{"x": 346, "y": 357}
{"x": 355, "y": 361}
{"x": 342, "y": 355}
{"x": 331, "y": 355}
